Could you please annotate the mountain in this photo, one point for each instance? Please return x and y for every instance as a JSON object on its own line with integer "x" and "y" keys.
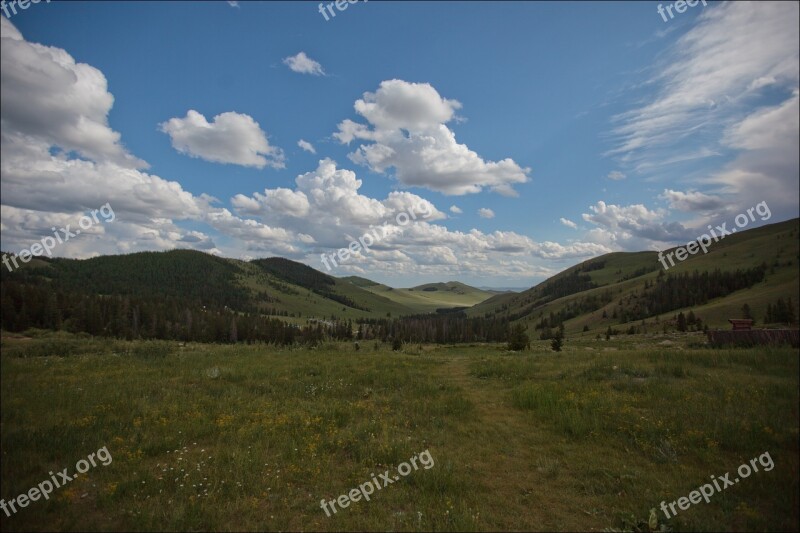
{"x": 629, "y": 290}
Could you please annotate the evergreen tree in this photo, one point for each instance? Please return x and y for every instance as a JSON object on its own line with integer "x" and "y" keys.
{"x": 558, "y": 339}
{"x": 518, "y": 339}
{"x": 790, "y": 316}
{"x": 746, "y": 313}
{"x": 681, "y": 322}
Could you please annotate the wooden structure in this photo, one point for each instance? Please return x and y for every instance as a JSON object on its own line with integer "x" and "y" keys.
{"x": 741, "y": 324}
{"x": 743, "y": 334}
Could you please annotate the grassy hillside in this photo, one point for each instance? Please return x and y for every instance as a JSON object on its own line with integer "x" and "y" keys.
{"x": 269, "y": 286}
{"x": 625, "y": 276}
{"x": 429, "y": 297}
{"x": 360, "y": 282}
{"x": 589, "y": 297}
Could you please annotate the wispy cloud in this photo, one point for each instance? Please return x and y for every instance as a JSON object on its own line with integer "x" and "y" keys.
{"x": 616, "y": 175}
{"x": 568, "y": 223}
{"x": 691, "y": 200}
{"x": 709, "y": 80}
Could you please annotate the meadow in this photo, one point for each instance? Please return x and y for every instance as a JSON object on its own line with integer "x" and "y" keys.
{"x": 252, "y": 437}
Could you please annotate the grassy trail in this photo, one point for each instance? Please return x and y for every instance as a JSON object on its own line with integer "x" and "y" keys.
{"x": 514, "y": 461}
{"x": 585, "y": 440}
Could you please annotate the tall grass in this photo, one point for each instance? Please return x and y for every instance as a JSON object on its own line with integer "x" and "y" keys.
{"x": 252, "y": 437}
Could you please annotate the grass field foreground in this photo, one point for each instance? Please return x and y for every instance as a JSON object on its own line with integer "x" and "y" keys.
{"x": 253, "y": 437}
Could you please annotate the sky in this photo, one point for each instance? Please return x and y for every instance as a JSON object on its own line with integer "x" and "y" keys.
{"x": 493, "y": 143}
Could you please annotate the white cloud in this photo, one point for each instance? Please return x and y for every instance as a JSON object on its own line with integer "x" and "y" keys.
{"x": 326, "y": 204}
{"x": 231, "y": 137}
{"x": 455, "y": 209}
{"x": 337, "y": 214}
{"x": 767, "y": 167}
{"x": 691, "y": 200}
{"x": 44, "y": 185}
{"x": 484, "y": 212}
{"x": 303, "y": 64}
{"x": 407, "y": 127}
{"x": 233, "y": 3}
{"x": 633, "y": 227}
{"x": 616, "y": 175}
{"x": 48, "y": 95}
{"x": 568, "y": 223}
{"x": 307, "y": 146}
{"x": 554, "y": 250}
{"x": 709, "y": 81}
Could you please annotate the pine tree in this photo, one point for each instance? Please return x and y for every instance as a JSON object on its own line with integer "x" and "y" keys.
{"x": 681, "y": 322}
{"x": 558, "y": 339}
{"x": 518, "y": 338}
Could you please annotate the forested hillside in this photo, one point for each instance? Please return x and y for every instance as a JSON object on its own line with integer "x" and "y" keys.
{"x": 189, "y": 295}
{"x": 631, "y": 291}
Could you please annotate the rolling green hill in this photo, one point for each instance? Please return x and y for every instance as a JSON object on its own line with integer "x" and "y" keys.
{"x": 273, "y": 286}
{"x": 623, "y": 291}
{"x": 360, "y": 282}
{"x": 429, "y": 297}
{"x": 610, "y": 290}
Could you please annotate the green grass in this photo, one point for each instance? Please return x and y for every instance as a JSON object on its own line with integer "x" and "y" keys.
{"x": 587, "y": 439}
{"x": 777, "y": 245}
{"x": 445, "y": 295}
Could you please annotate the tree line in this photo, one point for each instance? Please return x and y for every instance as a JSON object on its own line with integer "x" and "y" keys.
{"x": 24, "y": 306}
{"x": 447, "y": 328}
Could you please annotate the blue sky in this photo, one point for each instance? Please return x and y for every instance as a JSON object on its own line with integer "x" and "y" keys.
{"x": 558, "y": 131}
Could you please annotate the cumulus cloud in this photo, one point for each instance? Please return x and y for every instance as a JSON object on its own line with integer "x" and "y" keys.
{"x": 231, "y": 137}
{"x": 307, "y": 146}
{"x": 303, "y": 64}
{"x": 48, "y": 95}
{"x": 633, "y": 227}
{"x": 327, "y": 203}
{"x": 407, "y": 130}
{"x": 337, "y": 213}
{"x": 44, "y": 185}
{"x": 54, "y": 172}
{"x": 455, "y": 209}
{"x": 691, "y": 200}
{"x": 568, "y": 223}
{"x": 484, "y": 212}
